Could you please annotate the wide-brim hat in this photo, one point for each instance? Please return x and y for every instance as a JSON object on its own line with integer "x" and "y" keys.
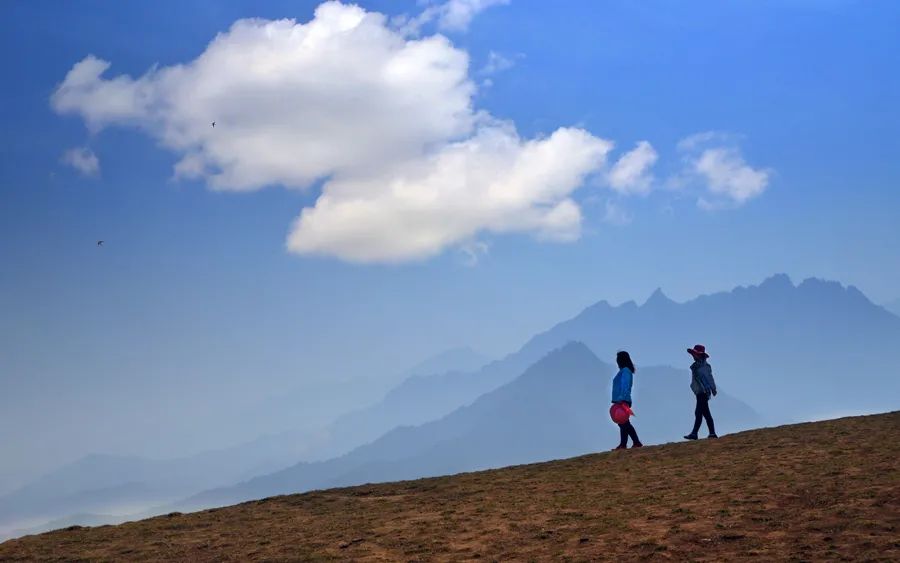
{"x": 698, "y": 351}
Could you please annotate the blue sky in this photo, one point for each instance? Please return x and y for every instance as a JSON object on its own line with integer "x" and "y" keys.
{"x": 195, "y": 303}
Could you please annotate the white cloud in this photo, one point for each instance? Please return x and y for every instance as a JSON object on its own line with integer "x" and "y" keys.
{"x": 386, "y": 122}
{"x": 410, "y": 167}
{"x": 452, "y": 15}
{"x": 456, "y": 15}
{"x": 729, "y": 181}
{"x": 630, "y": 174}
{"x": 692, "y": 142}
{"x": 492, "y": 182}
{"x": 496, "y": 63}
{"x": 473, "y": 251}
{"x": 728, "y": 175}
{"x": 292, "y": 102}
{"x": 83, "y": 160}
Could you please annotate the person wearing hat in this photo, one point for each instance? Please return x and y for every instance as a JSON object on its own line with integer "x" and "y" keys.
{"x": 621, "y": 394}
{"x": 703, "y": 385}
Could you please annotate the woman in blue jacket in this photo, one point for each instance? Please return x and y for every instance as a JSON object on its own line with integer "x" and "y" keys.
{"x": 621, "y": 393}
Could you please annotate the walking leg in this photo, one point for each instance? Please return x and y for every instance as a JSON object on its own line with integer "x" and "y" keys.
{"x": 635, "y": 441}
{"x": 707, "y": 414}
{"x": 698, "y": 416}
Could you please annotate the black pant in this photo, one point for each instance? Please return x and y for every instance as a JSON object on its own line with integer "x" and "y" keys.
{"x": 701, "y": 412}
{"x": 626, "y": 430}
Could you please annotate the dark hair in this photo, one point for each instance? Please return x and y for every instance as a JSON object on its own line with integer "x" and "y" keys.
{"x": 624, "y": 361}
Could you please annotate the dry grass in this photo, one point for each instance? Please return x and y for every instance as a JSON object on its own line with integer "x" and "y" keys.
{"x": 809, "y": 492}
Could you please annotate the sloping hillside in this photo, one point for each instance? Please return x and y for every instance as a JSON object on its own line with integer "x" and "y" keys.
{"x": 820, "y": 491}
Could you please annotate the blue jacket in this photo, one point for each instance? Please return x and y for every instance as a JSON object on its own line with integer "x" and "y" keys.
{"x": 621, "y": 387}
{"x": 702, "y": 380}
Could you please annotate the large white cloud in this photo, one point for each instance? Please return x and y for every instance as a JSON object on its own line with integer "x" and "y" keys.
{"x": 387, "y": 120}
{"x": 292, "y": 102}
{"x": 493, "y": 181}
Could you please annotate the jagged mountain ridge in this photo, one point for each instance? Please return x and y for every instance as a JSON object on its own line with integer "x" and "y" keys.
{"x": 787, "y": 350}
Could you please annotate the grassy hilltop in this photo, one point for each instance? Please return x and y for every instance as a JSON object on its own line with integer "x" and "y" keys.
{"x": 820, "y": 491}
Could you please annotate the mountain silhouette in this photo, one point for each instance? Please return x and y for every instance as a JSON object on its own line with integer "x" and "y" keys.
{"x": 557, "y": 408}
{"x": 429, "y": 390}
{"x": 784, "y": 349}
{"x": 792, "y": 352}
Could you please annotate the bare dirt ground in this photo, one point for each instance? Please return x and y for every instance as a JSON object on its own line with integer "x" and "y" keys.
{"x": 811, "y": 492}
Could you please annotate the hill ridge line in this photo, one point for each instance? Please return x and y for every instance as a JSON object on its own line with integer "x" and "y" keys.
{"x": 814, "y": 491}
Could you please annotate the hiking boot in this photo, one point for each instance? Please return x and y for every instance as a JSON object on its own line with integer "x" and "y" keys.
{"x": 690, "y": 437}
{"x": 638, "y": 445}
{"x": 620, "y": 447}
{"x": 712, "y": 436}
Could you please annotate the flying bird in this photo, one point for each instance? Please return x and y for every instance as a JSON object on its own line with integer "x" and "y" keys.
{"x": 99, "y": 243}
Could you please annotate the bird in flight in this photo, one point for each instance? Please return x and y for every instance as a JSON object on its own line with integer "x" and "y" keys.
{"x": 99, "y": 243}
{"x": 213, "y": 123}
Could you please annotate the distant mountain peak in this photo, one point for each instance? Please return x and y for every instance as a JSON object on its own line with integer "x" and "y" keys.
{"x": 571, "y": 350}
{"x": 573, "y": 347}
{"x": 658, "y": 298}
{"x": 778, "y": 281}
{"x": 828, "y": 289}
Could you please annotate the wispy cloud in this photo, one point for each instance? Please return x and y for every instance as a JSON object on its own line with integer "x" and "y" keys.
{"x": 714, "y": 159}
{"x": 473, "y": 251}
{"x": 83, "y": 160}
{"x": 451, "y": 15}
{"x": 497, "y": 62}
{"x": 616, "y": 214}
{"x": 631, "y": 173}
{"x": 728, "y": 175}
{"x": 456, "y": 15}
{"x": 698, "y": 140}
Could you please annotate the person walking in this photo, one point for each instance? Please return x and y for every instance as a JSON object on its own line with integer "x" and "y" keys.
{"x": 621, "y": 394}
{"x": 704, "y": 386}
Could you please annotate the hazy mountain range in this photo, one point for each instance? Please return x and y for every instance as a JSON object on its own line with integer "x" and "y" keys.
{"x": 121, "y": 485}
{"x": 107, "y": 487}
{"x": 557, "y": 408}
{"x": 791, "y": 352}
